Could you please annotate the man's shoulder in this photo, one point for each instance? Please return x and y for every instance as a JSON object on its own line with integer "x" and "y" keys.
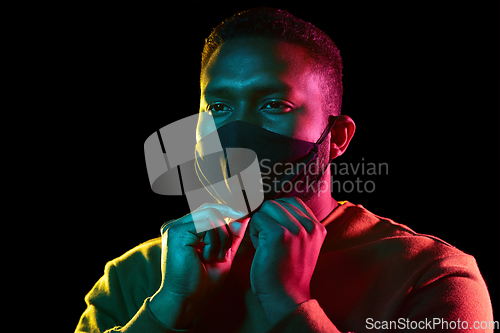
{"x": 375, "y": 266}
{"x": 354, "y": 226}
{"x": 390, "y": 253}
{"x": 129, "y": 279}
{"x": 141, "y": 263}
{"x": 147, "y": 252}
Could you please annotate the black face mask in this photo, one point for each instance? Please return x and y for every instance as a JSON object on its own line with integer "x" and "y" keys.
{"x": 284, "y": 162}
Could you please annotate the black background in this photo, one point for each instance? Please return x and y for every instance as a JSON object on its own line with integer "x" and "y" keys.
{"x": 420, "y": 82}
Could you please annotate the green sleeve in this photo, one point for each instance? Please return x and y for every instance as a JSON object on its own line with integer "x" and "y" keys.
{"x": 119, "y": 301}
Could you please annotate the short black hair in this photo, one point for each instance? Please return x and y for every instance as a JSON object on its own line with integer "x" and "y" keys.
{"x": 280, "y": 25}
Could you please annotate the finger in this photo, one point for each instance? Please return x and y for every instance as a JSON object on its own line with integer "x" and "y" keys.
{"x": 265, "y": 229}
{"x": 226, "y": 243}
{"x": 225, "y": 210}
{"x": 225, "y": 238}
{"x": 281, "y": 215}
{"x": 304, "y": 215}
{"x": 297, "y": 202}
{"x": 212, "y": 217}
{"x": 212, "y": 244}
{"x": 213, "y": 234}
{"x": 167, "y": 225}
{"x": 237, "y": 229}
{"x": 218, "y": 239}
{"x": 182, "y": 235}
{"x": 201, "y": 215}
{"x": 186, "y": 235}
{"x": 299, "y": 215}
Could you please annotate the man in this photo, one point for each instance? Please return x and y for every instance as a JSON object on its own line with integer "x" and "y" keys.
{"x": 303, "y": 262}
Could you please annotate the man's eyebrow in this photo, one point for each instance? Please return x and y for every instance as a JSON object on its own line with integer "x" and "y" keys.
{"x": 263, "y": 90}
{"x": 216, "y": 91}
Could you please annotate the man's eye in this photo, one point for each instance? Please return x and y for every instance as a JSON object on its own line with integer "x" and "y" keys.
{"x": 276, "y": 107}
{"x": 214, "y": 108}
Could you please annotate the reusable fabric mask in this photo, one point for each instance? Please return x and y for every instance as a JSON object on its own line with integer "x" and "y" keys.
{"x": 285, "y": 162}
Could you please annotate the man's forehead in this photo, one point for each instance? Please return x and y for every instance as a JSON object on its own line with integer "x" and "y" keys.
{"x": 260, "y": 63}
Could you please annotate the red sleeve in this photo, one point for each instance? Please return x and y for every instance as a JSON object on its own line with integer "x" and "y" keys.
{"x": 452, "y": 295}
{"x": 308, "y": 317}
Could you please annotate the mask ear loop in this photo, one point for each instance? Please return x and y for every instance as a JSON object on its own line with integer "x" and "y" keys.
{"x": 331, "y": 122}
{"x": 328, "y": 129}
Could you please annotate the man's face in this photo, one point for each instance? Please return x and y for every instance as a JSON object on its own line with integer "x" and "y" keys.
{"x": 269, "y": 84}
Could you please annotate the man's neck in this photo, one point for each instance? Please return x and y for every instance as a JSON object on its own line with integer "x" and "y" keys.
{"x": 322, "y": 203}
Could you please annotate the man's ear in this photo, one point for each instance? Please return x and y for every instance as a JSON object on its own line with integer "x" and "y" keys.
{"x": 341, "y": 134}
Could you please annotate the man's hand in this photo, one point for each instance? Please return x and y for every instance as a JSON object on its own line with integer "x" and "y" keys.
{"x": 195, "y": 265}
{"x": 287, "y": 238}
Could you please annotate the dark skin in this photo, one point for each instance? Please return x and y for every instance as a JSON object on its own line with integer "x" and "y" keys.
{"x": 272, "y": 85}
